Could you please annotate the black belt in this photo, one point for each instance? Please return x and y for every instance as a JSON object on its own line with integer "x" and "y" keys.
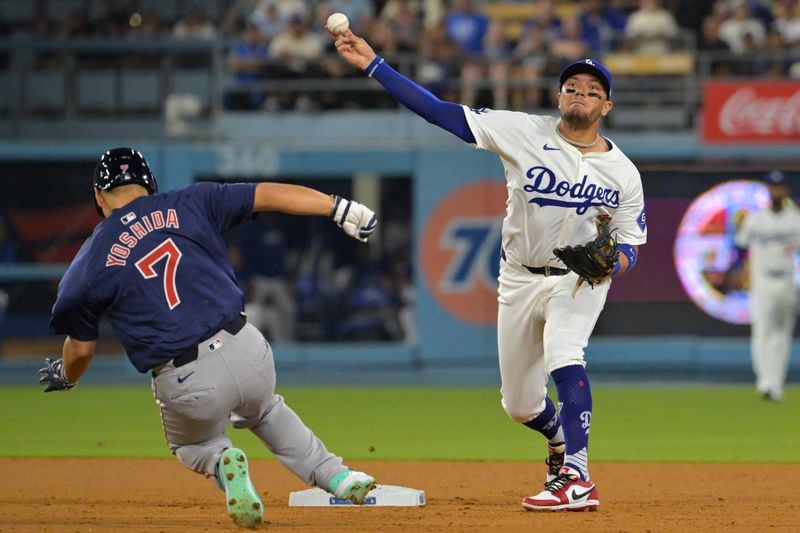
{"x": 184, "y": 358}
{"x": 545, "y": 270}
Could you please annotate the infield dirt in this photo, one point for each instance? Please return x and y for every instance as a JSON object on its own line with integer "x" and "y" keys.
{"x": 161, "y": 495}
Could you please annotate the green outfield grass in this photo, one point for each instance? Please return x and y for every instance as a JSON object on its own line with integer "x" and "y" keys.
{"x": 725, "y": 424}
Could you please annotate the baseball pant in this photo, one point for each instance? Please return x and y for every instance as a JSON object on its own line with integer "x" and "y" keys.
{"x": 540, "y": 328}
{"x": 233, "y": 380}
{"x": 773, "y": 310}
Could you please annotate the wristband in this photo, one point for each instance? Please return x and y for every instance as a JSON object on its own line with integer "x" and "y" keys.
{"x": 378, "y": 61}
{"x": 630, "y": 253}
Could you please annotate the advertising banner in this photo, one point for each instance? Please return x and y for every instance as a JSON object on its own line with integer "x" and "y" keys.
{"x": 751, "y": 111}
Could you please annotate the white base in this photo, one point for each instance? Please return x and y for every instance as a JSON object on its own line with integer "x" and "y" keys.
{"x": 380, "y": 496}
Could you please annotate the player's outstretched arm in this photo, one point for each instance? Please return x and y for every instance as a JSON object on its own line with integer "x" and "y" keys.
{"x": 358, "y": 53}
{"x": 355, "y": 219}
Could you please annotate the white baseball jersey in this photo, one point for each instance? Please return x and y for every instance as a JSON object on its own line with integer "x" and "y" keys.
{"x": 773, "y": 239}
{"x": 554, "y": 191}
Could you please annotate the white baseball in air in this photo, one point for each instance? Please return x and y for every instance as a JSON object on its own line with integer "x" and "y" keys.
{"x": 337, "y": 23}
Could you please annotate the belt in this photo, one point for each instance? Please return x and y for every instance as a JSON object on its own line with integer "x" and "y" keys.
{"x": 545, "y": 270}
{"x": 187, "y": 356}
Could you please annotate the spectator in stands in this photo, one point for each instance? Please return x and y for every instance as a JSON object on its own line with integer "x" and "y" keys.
{"x": 286, "y": 9}
{"x": 236, "y": 15}
{"x": 402, "y": 9}
{"x": 742, "y": 31}
{"x": 651, "y": 29}
{"x": 770, "y": 62}
{"x": 787, "y": 21}
{"x": 403, "y": 19}
{"x": 762, "y": 13}
{"x": 386, "y": 38}
{"x": 271, "y": 20}
{"x": 298, "y": 50}
{"x": 467, "y": 27}
{"x": 690, "y": 14}
{"x": 602, "y": 25}
{"x": 246, "y": 63}
{"x": 571, "y": 46}
{"x": 711, "y": 42}
{"x": 483, "y": 48}
{"x": 546, "y": 20}
{"x": 530, "y": 61}
{"x": 436, "y": 64}
{"x": 194, "y": 25}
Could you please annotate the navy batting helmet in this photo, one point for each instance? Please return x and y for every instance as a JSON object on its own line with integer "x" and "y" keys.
{"x": 123, "y": 166}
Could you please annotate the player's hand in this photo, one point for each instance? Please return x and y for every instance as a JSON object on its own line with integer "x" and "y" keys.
{"x": 354, "y": 49}
{"x": 52, "y": 375}
{"x": 356, "y": 220}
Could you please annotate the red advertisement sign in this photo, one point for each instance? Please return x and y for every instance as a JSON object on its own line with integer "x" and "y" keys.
{"x": 750, "y": 111}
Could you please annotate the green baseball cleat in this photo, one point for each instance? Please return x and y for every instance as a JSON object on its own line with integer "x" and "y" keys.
{"x": 244, "y": 505}
{"x": 352, "y": 486}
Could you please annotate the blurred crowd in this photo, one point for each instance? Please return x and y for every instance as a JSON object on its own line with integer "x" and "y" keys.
{"x": 492, "y": 49}
{"x": 306, "y": 281}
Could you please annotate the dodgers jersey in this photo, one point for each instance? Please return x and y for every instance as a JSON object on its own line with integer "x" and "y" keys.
{"x": 159, "y": 269}
{"x": 773, "y": 239}
{"x": 554, "y": 191}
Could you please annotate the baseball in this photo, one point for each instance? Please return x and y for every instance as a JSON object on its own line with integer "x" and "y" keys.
{"x": 337, "y": 23}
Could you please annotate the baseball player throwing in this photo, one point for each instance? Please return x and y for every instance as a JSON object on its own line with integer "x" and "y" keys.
{"x": 566, "y": 183}
{"x": 773, "y": 238}
{"x": 158, "y": 268}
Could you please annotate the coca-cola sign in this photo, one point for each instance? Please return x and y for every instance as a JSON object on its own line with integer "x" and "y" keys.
{"x": 751, "y": 111}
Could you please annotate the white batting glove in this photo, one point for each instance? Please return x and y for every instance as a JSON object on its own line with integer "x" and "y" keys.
{"x": 356, "y": 220}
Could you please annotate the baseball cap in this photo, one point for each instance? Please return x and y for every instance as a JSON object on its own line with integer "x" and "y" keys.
{"x": 775, "y": 177}
{"x": 588, "y": 66}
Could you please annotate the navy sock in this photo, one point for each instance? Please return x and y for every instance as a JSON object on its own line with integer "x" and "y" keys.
{"x": 547, "y": 423}
{"x": 575, "y": 397}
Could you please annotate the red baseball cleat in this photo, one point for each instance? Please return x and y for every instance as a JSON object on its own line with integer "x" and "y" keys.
{"x": 567, "y": 492}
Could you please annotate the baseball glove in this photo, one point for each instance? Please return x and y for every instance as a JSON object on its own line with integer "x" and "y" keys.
{"x": 594, "y": 261}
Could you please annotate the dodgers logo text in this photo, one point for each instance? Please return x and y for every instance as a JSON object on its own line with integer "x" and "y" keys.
{"x": 580, "y": 196}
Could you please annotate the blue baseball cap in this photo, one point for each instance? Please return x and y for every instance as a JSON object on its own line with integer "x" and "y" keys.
{"x": 588, "y": 66}
{"x": 775, "y": 177}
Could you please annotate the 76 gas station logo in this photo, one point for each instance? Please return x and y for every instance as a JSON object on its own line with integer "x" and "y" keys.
{"x": 475, "y": 243}
{"x": 460, "y": 251}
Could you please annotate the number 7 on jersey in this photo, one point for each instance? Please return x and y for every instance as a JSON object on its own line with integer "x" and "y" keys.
{"x": 173, "y": 254}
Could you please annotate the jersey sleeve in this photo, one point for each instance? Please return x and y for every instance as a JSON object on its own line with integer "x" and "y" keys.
{"x": 226, "y": 204}
{"x": 501, "y": 132}
{"x": 76, "y": 313}
{"x": 630, "y": 218}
